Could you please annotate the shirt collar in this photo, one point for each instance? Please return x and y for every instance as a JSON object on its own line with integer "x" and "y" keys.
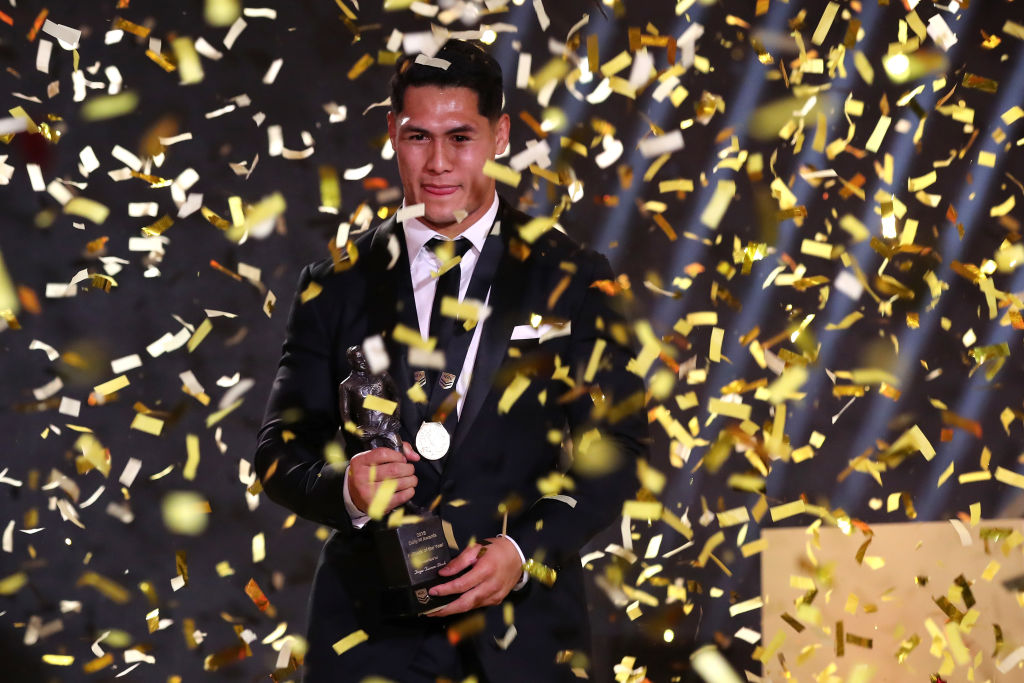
{"x": 417, "y": 233}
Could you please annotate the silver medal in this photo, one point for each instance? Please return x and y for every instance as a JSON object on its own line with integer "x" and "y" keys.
{"x": 432, "y": 440}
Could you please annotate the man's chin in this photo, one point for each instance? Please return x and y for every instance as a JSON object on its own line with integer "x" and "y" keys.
{"x": 439, "y": 219}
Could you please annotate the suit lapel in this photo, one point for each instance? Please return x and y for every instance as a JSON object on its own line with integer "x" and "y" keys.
{"x": 507, "y": 295}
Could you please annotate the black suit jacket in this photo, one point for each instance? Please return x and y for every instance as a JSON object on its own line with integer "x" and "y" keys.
{"x": 496, "y": 458}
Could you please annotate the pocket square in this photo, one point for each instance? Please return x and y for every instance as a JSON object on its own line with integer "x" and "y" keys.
{"x": 544, "y": 332}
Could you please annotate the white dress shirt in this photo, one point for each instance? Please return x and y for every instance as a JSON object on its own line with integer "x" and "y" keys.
{"x": 422, "y": 263}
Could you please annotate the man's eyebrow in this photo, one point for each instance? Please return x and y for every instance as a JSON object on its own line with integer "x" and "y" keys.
{"x": 465, "y": 128}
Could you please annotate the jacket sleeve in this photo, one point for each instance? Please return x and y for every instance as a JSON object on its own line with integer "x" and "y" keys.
{"x": 554, "y": 529}
{"x": 301, "y": 418}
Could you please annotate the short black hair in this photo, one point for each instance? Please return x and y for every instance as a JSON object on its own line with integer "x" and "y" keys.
{"x": 470, "y": 66}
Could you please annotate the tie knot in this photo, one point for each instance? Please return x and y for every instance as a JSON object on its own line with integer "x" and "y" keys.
{"x": 446, "y": 250}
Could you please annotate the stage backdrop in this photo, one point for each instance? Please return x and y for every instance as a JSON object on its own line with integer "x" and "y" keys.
{"x": 814, "y": 209}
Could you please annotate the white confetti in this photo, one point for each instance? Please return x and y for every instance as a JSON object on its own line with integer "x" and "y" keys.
{"x": 35, "y": 177}
{"x": 233, "y": 32}
{"x": 121, "y": 365}
{"x": 542, "y": 15}
{"x": 275, "y": 68}
{"x": 69, "y": 406}
{"x": 66, "y": 36}
{"x": 43, "y": 56}
{"x": 131, "y": 470}
{"x": 661, "y": 144}
{"x": 435, "y": 62}
{"x": 209, "y": 51}
{"x": 49, "y": 389}
{"x": 51, "y": 352}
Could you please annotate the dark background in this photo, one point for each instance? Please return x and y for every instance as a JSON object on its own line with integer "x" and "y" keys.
{"x": 39, "y": 245}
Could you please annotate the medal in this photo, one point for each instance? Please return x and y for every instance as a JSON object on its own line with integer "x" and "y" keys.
{"x": 432, "y": 440}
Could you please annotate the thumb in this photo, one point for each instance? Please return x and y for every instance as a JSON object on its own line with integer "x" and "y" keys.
{"x": 409, "y": 453}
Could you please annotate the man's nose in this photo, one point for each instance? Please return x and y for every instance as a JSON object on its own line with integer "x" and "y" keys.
{"x": 438, "y": 160}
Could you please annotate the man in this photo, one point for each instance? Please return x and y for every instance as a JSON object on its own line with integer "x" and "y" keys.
{"x": 551, "y": 356}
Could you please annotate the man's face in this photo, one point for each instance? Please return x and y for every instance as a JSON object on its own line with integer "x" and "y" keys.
{"x": 357, "y": 361}
{"x": 441, "y": 142}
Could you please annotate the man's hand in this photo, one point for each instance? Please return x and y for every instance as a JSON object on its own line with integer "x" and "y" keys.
{"x": 367, "y": 470}
{"x": 496, "y": 568}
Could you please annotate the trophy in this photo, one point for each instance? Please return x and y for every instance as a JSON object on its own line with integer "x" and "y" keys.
{"x": 410, "y": 554}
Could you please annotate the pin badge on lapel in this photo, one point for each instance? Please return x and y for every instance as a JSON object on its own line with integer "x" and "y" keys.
{"x": 446, "y": 380}
{"x": 421, "y": 378}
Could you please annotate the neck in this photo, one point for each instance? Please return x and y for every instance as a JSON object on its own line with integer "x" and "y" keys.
{"x": 452, "y": 230}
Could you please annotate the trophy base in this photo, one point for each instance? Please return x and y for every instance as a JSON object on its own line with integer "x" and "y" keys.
{"x": 411, "y": 601}
{"x": 410, "y": 556}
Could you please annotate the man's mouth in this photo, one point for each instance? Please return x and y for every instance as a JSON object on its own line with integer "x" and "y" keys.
{"x": 440, "y": 190}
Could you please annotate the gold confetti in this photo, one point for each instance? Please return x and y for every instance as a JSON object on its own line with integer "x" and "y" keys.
{"x": 381, "y": 498}
{"x": 148, "y": 424}
{"x": 364, "y": 63}
{"x": 881, "y": 127}
{"x": 1009, "y": 477}
{"x": 787, "y": 510}
{"x": 825, "y": 23}
{"x": 512, "y": 393}
{"x": 712, "y": 215}
{"x": 259, "y": 598}
{"x": 192, "y": 461}
{"x": 379, "y": 404}
{"x": 111, "y": 386}
{"x": 739, "y": 411}
{"x": 87, "y": 208}
{"x": 200, "y": 334}
{"x": 350, "y": 641}
{"x": 9, "y": 585}
{"x": 502, "y": 173}
{"x": 646, "y": 510}
{"x": 746, "y": 606}
{"x": 102, "y": 107}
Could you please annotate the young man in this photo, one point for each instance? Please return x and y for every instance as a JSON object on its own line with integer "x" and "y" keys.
{"x": 497, "y": 407}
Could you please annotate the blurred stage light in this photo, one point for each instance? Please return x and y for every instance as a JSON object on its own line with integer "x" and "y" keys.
{"x": 897, "y": 66}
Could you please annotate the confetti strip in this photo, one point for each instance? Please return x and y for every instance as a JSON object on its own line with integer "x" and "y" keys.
{"x": 350, "y": 641}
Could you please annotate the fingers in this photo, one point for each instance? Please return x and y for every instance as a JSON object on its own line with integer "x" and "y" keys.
{"x": 483, "y": 595}
{"x": 367, "y": 470}
{"x": 379, "y": 456}
{"x": 391, "y": 470}
{"x": 465, "y": 603}
{"x": 405, "y": 484}
{"x": 464, "y": 559}
{"x": 467, "y": 581}
{"x": 400, "y": 498}
{"x": 488, "y": 582}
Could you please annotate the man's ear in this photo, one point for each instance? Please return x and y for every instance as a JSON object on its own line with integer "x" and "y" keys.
{"x": 501, "y": 134}
{"x": 392, "y": 130}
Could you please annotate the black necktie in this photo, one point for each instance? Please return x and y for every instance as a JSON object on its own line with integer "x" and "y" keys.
{"x": 442, "y": 327}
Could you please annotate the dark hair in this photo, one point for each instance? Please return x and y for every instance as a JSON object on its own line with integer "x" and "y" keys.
{"x": 469, "y": 67}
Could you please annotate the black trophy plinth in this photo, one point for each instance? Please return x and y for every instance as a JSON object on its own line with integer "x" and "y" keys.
{"x": 410, "y": 556}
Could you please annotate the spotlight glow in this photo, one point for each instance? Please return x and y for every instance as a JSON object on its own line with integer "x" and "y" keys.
{"x": 897, "y": 66}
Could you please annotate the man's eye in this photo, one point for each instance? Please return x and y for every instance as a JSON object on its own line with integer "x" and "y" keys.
{"x": 417, "y": 136}
{"x": 460, "y": 138}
